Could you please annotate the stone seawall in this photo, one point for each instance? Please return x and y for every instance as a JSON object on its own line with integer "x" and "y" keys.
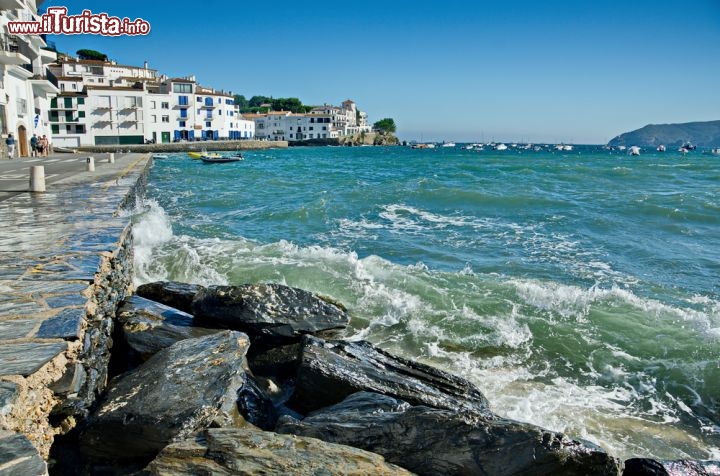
{"x": 188, "y": 146}
{"x": 65, "y": 264}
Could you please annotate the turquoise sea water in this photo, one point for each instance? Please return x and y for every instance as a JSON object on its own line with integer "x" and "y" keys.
{"x": 579, "y": 290}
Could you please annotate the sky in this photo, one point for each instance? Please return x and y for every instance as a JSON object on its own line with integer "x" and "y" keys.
{"x": 547, "y": 71}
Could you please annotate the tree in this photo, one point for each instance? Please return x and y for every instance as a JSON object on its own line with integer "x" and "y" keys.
{"x": 386, "y": 125}
{"x": 241, "y": 101}
{"x": 85, "y": 54}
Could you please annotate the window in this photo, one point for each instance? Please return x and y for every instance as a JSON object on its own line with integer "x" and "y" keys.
{"x": 183, "y": 100}
{"x": 80, "y": 129}
{"x": 81, "y": 100}
{"x": 199, "y": 99}
{"x": 68, "y": 103}
{"x": 153, "y": 104}
{"x": 81, "y": 114}
{"x": 101, "y": 80}
{"x": 208, "y": 124}
{"x": 166, "y": 118}
{"x": 68, "y": 128}
{"x": 183, "y": 113}
{"x": 154, "y": 118}
{"x": 182, "y": 124}
{"x": 311, "y": 128}
{"x": 53, "y": 116}
{"x": 182, "y": 88}
{"x": 74, "y": 86}
{"x": 53, "y": 103}
{"x": 164, "y": 105}
{"x": 55, "y": 129}
{"x": 68, "y": 116}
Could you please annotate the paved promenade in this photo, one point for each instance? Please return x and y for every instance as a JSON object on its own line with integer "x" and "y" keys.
{"x": 51, "y": 247}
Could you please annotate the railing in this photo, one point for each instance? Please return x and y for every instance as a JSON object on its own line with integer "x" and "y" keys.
{"x": 9, "y": 43}
{"x": 28, "y": 67}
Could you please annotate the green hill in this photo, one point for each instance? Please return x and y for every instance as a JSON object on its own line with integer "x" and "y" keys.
{"x": 701, "y": 134}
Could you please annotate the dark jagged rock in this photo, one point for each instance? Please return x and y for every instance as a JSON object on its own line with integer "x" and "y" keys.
{"x": 171, "y": 293}
{"x": 431, "y": 441}
{"x": 187, "y": 387}
{"x": 147, "y": 327}
{"x": 269, "y": 313}
{"x": 651, "y": 467}
{"x": 280, "y": 361}
{"x": 227, "y": 451}
{"x": 18, "y": 457}
{"x": 329, "y": 371}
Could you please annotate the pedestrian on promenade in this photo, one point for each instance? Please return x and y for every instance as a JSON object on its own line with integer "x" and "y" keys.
{"x": 10, "y": 142}
{"x": 34, "y": 145}
{"x": 45, "y": 145}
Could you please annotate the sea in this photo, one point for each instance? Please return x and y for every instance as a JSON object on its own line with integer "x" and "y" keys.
{"x": 578, "y": 290}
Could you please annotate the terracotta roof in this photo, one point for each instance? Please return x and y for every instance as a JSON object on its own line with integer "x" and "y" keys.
{"x": 68, "y": 78}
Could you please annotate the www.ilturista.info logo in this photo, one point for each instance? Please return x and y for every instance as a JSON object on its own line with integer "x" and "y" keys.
{"x": 57, "y": 22}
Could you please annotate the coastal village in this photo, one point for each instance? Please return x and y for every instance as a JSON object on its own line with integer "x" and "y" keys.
{"x": 76, "y": 102}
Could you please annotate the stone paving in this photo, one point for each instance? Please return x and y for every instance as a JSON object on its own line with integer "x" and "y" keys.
{"x": 52, "y": 248}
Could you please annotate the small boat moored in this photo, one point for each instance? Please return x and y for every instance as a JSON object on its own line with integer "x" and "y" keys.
{"x": 219, "y": 159}
{"x": 159, "y": 156}
{"x": 634, "y": 150}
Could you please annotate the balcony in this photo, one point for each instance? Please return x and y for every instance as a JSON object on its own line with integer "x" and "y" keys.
{"x": 10, "y": 51}
{"x": 45, "y": 83}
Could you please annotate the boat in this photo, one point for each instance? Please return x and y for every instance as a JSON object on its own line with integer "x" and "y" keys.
{"x": 219, "y": 159}
{"x": 501, "y": 146}
{"x": 159, "y": 156}
{"x": 634, "y": 150}
{"x": 661, "y": 148}
{"x": 198, "y": 155}
{"x": 448, "y": 144}
{"x": 687, "y": 147}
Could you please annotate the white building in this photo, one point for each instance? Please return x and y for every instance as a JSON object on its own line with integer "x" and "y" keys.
{"x": 102, "y": 103}
{"x": 26, "y": 85}
{"x": 324, "y": 122}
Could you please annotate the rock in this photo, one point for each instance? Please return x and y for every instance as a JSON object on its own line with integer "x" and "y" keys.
{"x": 232, "y": 451}
{"x": 281, "y": 361}
{"x": 187, "y": 387}
{"x": 329, "y": 371}
{"x": 431, "y": 441}
{"x": 147, "y": 327}
{"x": 271, "y": 313}
{"x": 651, "y": 467}
{"x": 171, "y": 293}
{"x": 18, "y": 457}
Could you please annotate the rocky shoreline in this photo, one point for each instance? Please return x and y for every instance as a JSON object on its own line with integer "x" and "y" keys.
{"x": 253, "y": 379}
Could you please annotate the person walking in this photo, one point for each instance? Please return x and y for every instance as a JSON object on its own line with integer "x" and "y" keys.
{"x": 45, "y": 144}
{"x": 10, "y": 142}
{"x": 34, "y": 145}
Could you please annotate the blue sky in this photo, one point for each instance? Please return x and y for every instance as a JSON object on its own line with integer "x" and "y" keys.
{"x": 539, "y": 71}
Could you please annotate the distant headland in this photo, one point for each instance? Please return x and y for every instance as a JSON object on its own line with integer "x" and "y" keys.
{"x": 701, "y": 134}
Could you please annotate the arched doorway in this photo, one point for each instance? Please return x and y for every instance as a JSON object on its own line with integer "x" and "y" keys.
{"x": 22, "y": 142}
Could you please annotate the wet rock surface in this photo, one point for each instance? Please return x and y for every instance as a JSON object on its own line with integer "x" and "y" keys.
{"x": 226, "y": 451}
{"x": 269, "y": 313}
{"x": 651, "y": 467}
{"x": 330, "y": 371}
{"x": 18, "y": 457}
{"x": 171, "y": 293}
{"x": 188, "y": 386}
{"x": 146, "y": 327}
{"x": 430, "y": 441}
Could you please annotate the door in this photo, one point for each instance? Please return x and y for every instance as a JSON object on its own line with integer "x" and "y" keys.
{"x": 22, "y": 141}
{"x": 165, "y": 137}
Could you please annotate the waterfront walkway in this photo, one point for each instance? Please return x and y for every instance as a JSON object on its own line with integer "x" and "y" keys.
{"x": 52, "y": 245}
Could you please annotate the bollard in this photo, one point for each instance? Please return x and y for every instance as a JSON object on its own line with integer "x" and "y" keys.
{"x": 37, "y": 178}
{"x": 111, "y": 159}
{"x": 91, "y": 164}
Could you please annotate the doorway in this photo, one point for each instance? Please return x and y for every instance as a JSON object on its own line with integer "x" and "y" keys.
{"x": 22, "y": 141}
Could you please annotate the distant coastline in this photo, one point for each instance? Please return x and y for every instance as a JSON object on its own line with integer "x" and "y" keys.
{"x": 701, "y": 134}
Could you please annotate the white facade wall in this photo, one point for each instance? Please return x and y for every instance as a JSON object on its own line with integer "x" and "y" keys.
{"x": 25, "y": 86}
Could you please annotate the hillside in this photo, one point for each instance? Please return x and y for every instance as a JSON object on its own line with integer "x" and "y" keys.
{"x": 701, "y": 134}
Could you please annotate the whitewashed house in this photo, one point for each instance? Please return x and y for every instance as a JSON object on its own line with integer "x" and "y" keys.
{"x": 26, "y": 85}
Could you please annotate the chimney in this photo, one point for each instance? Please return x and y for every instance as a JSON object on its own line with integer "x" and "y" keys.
{"x": 146, "y": 65}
